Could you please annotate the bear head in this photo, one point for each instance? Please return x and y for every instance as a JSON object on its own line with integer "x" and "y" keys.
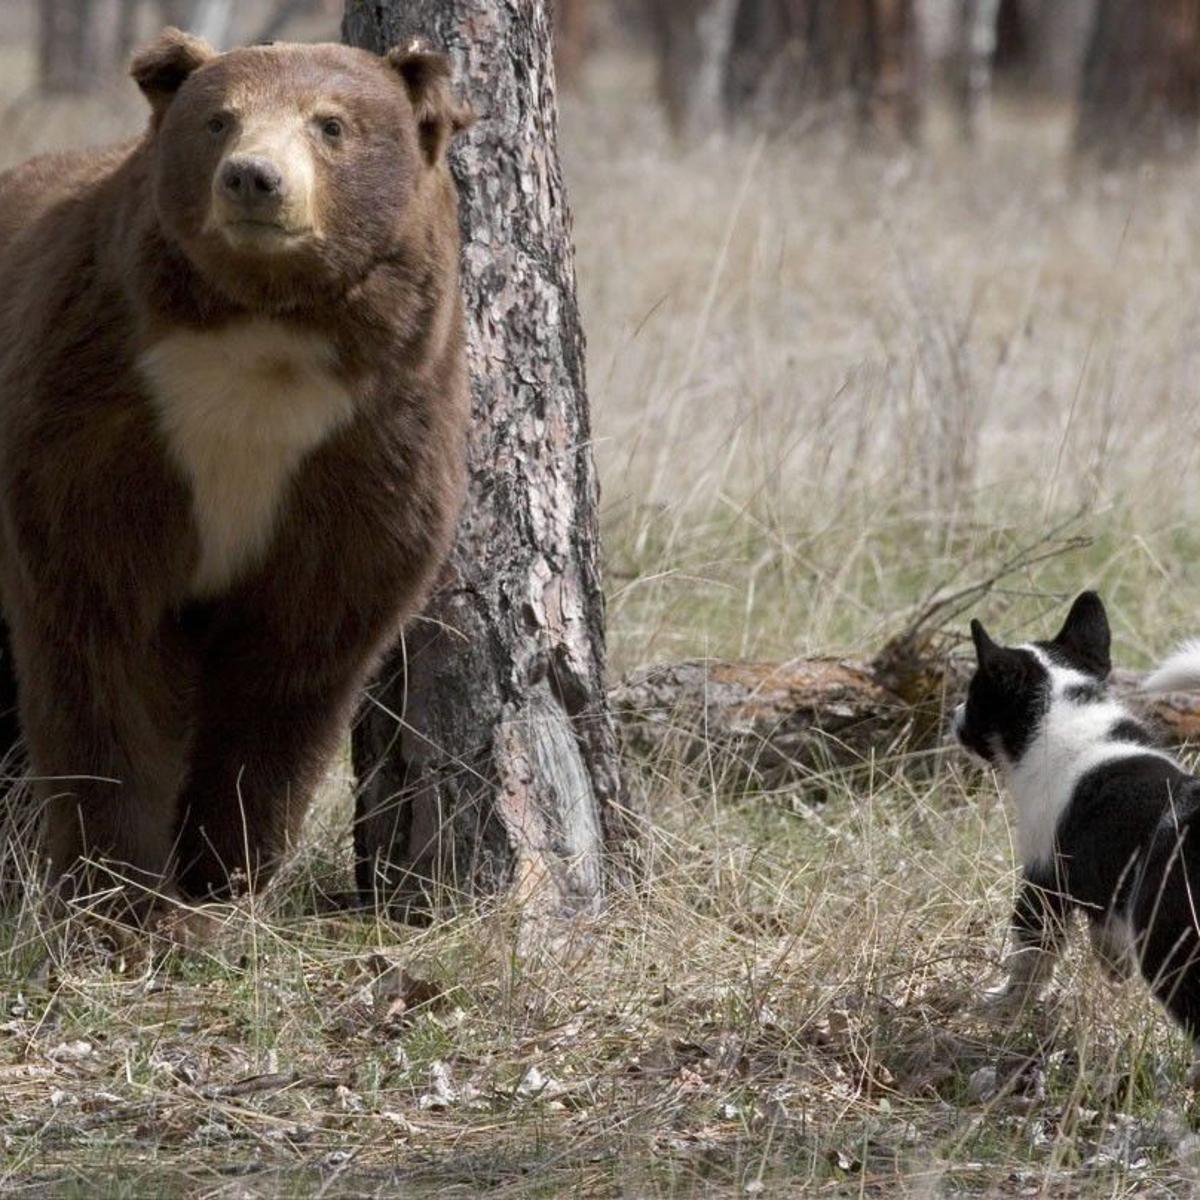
{"x": 287, "y": 171}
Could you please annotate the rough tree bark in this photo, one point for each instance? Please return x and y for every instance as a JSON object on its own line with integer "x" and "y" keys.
{"x": 1141, "y": 81}
{"x": 486, "y": 755}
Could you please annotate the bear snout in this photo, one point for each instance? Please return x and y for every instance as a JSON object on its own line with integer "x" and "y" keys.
{"x": 264, "y": 188}
{"x": 253, "y": 183}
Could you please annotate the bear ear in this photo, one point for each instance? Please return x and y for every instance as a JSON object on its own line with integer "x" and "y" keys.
{"x": 161, "y": 68}
{"x": 440, "y": 115}
{"x": 1085, "y": 634}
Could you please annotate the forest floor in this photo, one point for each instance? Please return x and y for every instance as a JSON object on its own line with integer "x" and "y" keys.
{"x": 826, "y": 382}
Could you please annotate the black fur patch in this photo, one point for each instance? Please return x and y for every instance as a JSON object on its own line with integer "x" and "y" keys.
{"x": 1006, "y": 701}
{"x": 1129, "y": 730}
{"x": 1085, "y": 640}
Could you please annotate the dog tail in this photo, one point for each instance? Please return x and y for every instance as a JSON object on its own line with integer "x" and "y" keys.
{"x": 1180, "y": 672}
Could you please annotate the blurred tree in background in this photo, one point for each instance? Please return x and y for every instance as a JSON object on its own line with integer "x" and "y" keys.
{"x": 82, "y": 43}
{"x": 1132, "y": 66}
{"x": 774, "y": 63}
{"x": 1141, "y": 84}
{"x": 572, "y": 38}
{"x": 796, "y": 60}
{"x": 782, "y": 67}
{"x": 69, "y": 45}
{"x": 693, "y": 39}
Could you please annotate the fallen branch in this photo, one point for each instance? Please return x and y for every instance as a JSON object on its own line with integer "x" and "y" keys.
{"x": 771, "y": 722}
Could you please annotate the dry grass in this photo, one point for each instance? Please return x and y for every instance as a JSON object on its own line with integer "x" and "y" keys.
{"x": 824, "y": 383}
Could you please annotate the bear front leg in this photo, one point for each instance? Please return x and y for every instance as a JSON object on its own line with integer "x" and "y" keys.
{"x": 1038, "y": 932}
{"x": 264, "y": 743}
{"x": 106, "y": 739}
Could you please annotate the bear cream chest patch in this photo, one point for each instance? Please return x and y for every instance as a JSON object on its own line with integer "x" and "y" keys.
{"x": 240, "y": 408}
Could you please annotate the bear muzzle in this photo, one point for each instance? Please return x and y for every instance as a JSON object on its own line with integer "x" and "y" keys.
{"x": 262, "y": 191}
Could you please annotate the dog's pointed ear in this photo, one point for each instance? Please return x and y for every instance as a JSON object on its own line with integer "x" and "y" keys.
{"x": 440, "y": 114}
{"x": 987, "y": 653}
{"x": 161, "y": 68}
{"x": 1086, "y": 636}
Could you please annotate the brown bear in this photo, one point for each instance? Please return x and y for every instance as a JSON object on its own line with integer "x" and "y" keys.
{"x": 233, "y": 404}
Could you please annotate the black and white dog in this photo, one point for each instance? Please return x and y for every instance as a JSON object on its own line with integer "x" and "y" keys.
{"x": 1106, "y": 822}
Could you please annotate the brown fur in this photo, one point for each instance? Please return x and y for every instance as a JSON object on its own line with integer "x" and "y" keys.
{"x": 178, "y": 737}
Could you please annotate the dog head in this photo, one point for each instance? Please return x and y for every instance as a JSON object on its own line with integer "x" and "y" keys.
{"x": 1013, "y": 686}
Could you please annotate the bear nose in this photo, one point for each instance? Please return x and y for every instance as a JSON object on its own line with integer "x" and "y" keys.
{"x": 252, "y": 183}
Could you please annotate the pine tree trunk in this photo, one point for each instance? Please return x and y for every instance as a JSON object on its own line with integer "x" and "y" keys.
{"x": 486, "y": 754}
{"x": 1141, "y": 80}
{"x": 770, "y": 78}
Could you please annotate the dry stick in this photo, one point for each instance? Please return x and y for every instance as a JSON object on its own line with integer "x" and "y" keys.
{"x": 250, "y": 1086}
{"x": 947, "y": 606}
{"x": 780, "y": 721}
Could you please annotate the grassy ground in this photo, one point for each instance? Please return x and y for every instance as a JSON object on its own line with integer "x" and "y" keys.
{"x": 825, "y": 384}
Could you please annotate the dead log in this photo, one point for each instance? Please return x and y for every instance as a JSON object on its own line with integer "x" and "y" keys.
{"x": 771, "y": 723}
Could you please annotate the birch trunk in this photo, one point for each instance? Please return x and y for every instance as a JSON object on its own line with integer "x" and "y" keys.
{"x": 486, "y": 755}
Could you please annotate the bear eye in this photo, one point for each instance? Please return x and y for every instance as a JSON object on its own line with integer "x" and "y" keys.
{"x": 332, "y": 128}
{"x": 217, "y": 124}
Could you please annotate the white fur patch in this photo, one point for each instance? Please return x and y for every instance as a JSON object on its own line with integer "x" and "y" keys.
{"x": 1180, "y": 672}
{"x": 240, "y": 407}
{"x": 1071, "y": 740}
